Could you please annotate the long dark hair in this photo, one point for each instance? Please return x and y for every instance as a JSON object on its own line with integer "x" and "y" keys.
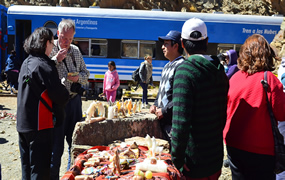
{"x": 112, "y": 63}
{"x": 35, "y": 44}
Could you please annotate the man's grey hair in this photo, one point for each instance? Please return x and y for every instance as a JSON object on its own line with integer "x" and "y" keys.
{"x": 66, "y": 24}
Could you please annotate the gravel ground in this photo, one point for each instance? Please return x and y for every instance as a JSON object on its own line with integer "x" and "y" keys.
{"x": 10, "y": 156}
{"x": 9, "y": 153}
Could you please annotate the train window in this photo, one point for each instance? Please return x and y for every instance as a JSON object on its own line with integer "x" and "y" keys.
{"x": 222, "y": 48}
{"x": 52, "y": 26}
{"x": 91, "y": 47}
{"x": 147, "y": 48}
{"x": 83, "y": 45}
{"x": 99, "y": 47}
{"x": 137, "y": 49}
{"x": 129, "y": 49}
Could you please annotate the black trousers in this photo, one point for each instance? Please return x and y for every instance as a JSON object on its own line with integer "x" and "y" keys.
{"x": 250, "y": 166}
{"x": 73, "y": 111}
{"x": 12, "y": 79}
{"x": 35, "y": 149}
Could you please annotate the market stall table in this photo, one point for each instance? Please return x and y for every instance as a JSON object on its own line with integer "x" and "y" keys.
{"x": 105, "y": 168}
{"x": 87, "y": 135}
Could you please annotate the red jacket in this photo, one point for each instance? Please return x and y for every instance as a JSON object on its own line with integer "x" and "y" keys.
{"x": 248, "y": 125}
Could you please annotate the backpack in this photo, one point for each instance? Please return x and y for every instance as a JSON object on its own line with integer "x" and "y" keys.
{"x": 135, "y": 75}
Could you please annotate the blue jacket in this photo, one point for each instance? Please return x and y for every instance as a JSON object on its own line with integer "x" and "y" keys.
{"x": 12, "y": 63}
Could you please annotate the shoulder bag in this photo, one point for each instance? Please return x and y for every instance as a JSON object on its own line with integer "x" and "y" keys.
{"x": 279, "y": 147}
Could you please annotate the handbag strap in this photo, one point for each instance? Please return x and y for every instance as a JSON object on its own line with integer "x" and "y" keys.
{"x": 272, "y": 118}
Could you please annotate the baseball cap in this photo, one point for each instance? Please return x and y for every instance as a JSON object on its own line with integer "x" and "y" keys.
{"x": 172, "y": 35}
{"x": 191, "y": 25}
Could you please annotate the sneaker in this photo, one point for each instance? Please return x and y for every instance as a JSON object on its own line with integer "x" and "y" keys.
{"x": 14, "y": 90}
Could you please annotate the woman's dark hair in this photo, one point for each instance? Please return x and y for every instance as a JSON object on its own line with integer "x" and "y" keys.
{"x": 112, "y": 63}
{"x": 36, "y": 43}
{"x": 194, "y": 47}
{"x": 256, "y": 55}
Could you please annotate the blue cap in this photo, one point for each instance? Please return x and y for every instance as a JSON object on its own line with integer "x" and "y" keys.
{"x": 172, "y": 35}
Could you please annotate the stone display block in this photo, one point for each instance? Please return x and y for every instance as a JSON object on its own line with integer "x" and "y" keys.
{"x": 105, "y": 132}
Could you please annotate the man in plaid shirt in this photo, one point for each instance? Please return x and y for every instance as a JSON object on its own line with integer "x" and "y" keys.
{"x": 72, "y": 70}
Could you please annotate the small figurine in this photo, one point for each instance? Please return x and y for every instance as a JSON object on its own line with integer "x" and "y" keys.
{"x": 135, "y": 107}
{"x": 125, "y": 104}
{"x": 122, "y": 110}
{"x": 130, "y": 107}
{"x": 140, "y": 105}
{"x": 91, "y": 110}
{"x": 118, "y": 105}
{"x": 115, "y": 109}
{"x": 106, "y": 110}
{"x": 149, "y": 144}
{"x": 116, "y": 163}
{"x": 110, "y": 112}
{"x": 153, "y": 148}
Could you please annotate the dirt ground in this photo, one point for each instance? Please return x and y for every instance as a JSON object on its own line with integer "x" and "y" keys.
{"x": 9, "y": 153}
{"x": 10, "y": 156}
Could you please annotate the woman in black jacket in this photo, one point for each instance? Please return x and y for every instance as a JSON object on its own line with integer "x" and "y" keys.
{"x": 40, "y": 91}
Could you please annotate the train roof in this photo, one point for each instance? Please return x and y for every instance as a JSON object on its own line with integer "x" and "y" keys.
{"x": 141, "y": 14}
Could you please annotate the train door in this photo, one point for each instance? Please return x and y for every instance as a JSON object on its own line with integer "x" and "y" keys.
{"x": 3, "y": 36}
{"x": 23, "y": 30}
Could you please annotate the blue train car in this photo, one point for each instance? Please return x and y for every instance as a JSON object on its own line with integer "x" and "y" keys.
{"x": 3, "y": 36}
{"x": 126, "y": 36}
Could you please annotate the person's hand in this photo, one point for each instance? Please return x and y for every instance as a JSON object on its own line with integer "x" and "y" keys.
{"x": 158, "y": 113}
{"x": 152, "y": 109}
{"x": 102, "y": 95}
{"x": 61, "y": 54}
{"x": 73, "y": 78}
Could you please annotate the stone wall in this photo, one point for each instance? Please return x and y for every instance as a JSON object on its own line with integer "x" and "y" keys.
{"x": 105, "y": 132}
{"x": 110, "y": 131}
{"x": 279, "y": 41}
{"x": 278, "y": 44}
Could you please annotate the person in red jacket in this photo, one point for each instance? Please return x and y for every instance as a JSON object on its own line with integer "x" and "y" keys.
{"x": 248, "y": 133}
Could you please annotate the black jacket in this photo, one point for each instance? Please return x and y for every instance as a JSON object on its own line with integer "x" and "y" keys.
{"x": 32, "y": 114}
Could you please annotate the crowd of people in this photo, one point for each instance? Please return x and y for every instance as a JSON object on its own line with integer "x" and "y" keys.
{"x": 203, "y": 101}
{"x": 214, "y": 98}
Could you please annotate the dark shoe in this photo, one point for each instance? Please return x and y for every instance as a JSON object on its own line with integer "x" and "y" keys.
{"x": 226, "y": 163}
